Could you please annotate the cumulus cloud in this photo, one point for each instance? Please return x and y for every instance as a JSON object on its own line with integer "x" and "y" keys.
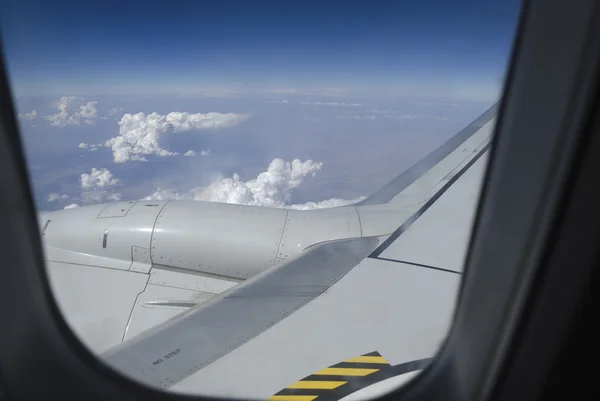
{"x": 56, "y": 197}
{"x": 333, "y": 202}
{"x": 273, "y": 187}
{"x": 140, "y": 134}
{"x": 73, "y": 110}
{"x": 171, "y": 194}
{"x": 32, "y": 115}
{"x": 98, "y": 178}
{"x": 193, "y": 153}
{"x": 91, "y": 146}
{"x": 88, "y": 110}
{"x": 97, "y": 186}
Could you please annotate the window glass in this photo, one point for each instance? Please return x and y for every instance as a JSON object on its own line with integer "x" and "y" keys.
{"x": 258, "y": 199}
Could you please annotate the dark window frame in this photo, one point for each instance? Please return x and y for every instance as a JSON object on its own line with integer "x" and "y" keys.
{"x": 544, "y": 120}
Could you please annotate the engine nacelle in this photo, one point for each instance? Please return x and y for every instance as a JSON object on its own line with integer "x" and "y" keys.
{"x": 218, "y": 238}
{"x": 222, "y": 239}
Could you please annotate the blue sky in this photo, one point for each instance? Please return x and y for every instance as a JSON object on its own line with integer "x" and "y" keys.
{"x": 253, "y": 45}
{"x": 365, "y": 88}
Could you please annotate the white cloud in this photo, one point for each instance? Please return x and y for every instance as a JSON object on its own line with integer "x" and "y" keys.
{"x": 273, "y": 188}
{"x": 140, "y": 134}
{"x": 32, "y": 115}
{"x": 88, "y": 110}
{"x": 56, "y": 197}
{"x": 270, "y": 188}
{"x": 98, "y": 178}
{"x": 97, "y": 186}
{"x": 73, "y": 110}
{"x": 91, "y": 146}
{"x": 193, "y": 153}
{"x": 62, "y": 117}
{"x": 170, "y": 194}
{"x": 71, "y": 206}
{"x": 333, "y": 202}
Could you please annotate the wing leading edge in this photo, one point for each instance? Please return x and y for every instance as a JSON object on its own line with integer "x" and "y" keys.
{"x": 386, "y": 193}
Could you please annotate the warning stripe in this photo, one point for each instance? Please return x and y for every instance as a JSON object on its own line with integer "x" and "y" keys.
{"x": 333, "y": 378}
{"x": 368, "y": 359}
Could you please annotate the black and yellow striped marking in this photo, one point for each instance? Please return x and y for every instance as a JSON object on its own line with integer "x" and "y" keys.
{"x": 337, "y": 381}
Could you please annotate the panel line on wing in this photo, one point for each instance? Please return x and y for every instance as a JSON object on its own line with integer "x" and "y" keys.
{"x": 417, "y": 264}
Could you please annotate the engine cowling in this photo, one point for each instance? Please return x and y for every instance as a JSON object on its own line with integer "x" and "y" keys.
{"x": 222, "y": 239}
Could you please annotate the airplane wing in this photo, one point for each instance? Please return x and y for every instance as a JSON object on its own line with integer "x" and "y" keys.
{"x": 334, "y": 316}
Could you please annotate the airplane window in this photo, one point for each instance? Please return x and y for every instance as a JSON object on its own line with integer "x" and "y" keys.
{"x": 267, "y": 200}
